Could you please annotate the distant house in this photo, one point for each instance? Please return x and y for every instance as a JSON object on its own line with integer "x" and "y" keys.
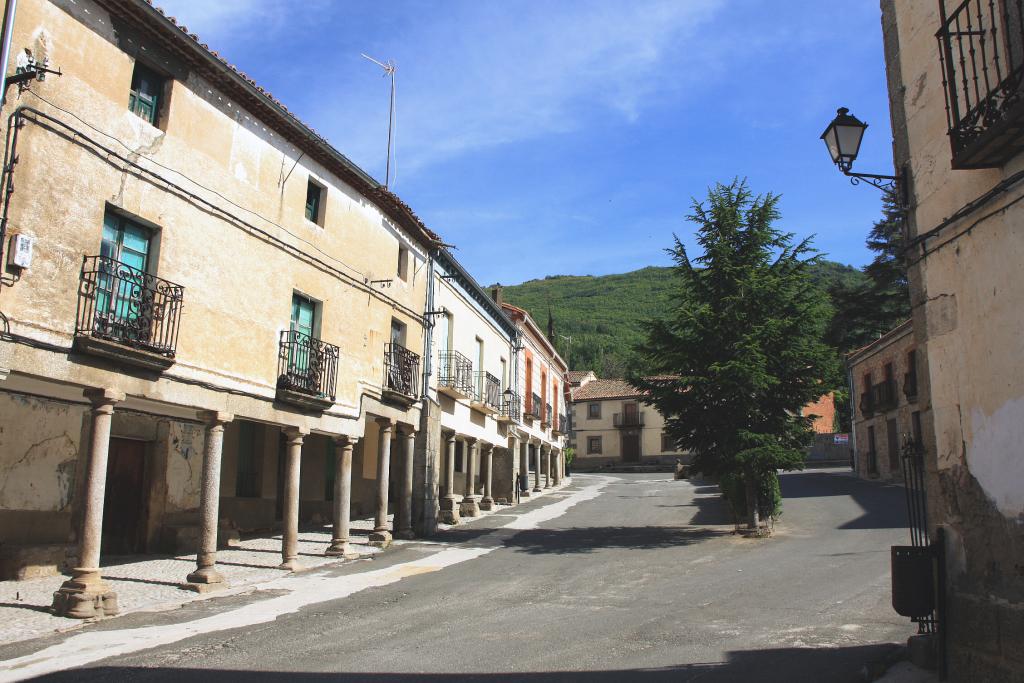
{"x": 611, "y": 425}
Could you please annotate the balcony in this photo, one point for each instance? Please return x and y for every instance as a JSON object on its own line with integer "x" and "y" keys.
{"x": 307, "y": 371}
{"x": 487, "y": 397}
{"x": 628, "y": 420}
{"x": 546, "y": 419}
{"x": 455, "y": 376}
{"x": 127, "y": 315}
{"x": 401, "y": 375}
{"x": 981, "y": 51}
{"x": 560, "y": 426}
{"x": 883, "y": 396}
{"x": 533, "y": 409}
{"x": 910, "y": 386}
{"x": 511, "y": 407}
{"x": 867, "y": 406}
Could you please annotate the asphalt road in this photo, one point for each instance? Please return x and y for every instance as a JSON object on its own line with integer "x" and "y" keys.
{"x": 640, "y": 579}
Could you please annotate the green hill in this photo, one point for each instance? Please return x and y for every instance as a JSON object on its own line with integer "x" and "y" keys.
{"x": 603, "y": 314}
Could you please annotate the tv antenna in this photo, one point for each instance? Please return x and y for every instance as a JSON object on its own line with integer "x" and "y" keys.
{"x": 389, "y": 70}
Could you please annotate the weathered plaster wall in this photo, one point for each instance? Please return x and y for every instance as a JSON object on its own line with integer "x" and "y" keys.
{"x": 967, "y": 295}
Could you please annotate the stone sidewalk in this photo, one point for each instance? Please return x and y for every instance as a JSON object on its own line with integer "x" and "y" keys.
{"x": 151, "y": 583}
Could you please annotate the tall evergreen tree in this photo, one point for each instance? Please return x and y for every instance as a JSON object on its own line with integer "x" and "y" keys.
{"x": 742, "y": 351}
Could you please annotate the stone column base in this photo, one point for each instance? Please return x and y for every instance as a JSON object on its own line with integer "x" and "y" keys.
{"x": 380, "y": 539}
{"x": 469, "y": 507}
{"x": 449, "y": 511}
{"x": 204, "y": 580}
{"x": 85, "y": 596}
{"x": 487, "y": 504}
{"x": 342, "y": 550}
{"x": 537, "y": 489}
{"x": 291, "y": 566}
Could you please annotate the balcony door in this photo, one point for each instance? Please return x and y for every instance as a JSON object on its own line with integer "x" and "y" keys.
{"x": 302, "y": 327}
{"x": 630, "y": 416}
{"x": 121, "y": 294}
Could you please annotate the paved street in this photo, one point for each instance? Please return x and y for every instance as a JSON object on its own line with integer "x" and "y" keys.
{"x": 620, "y": 577}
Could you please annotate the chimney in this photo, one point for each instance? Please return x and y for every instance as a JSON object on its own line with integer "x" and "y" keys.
{"x": 497, "y": 295}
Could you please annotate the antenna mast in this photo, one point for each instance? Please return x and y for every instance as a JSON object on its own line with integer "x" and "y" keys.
{"x": 389, "y": 70}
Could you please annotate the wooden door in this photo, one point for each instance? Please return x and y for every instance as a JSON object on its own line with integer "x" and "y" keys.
{"x": 124, "y": 501}
{"x": 631, "y": 447}
{"x": 629, "y": 414}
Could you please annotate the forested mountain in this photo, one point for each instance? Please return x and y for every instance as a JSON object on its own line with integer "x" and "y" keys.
{"x": 603, "y": 314}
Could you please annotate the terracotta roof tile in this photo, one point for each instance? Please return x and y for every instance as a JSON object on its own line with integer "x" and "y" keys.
{"x": 605, "y": 389}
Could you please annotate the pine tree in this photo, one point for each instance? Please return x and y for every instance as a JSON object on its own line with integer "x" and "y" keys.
{"x": 742, "y": 352}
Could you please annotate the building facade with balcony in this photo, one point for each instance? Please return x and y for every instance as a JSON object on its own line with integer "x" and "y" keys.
{"x": 540, "y": 380}
{"x": 956, "y": 93}
{"x": 221, "y": 321}
{"x": 472, "y": 387}
{"x": 886, "y": 417}
{"x": 612, "y": 426}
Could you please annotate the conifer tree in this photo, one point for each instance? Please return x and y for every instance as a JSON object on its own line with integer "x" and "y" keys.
{"x": 742, "y": 350}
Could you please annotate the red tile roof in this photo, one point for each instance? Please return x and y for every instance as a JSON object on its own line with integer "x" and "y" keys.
{"x": 600, "y": 389}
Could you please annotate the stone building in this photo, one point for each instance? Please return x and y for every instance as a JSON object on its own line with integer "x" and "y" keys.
{"x": 883, "y": 382}
{"x": 955, "y": 88}
{"x": 218, "y": 327}
{"x": 540, "y": 377}
{"x": 613, "y": 426}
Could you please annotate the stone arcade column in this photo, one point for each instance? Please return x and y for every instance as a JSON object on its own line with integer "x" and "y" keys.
{"x": 470, "y": 507}
{"x": 487, "y": 458}
{"x": 206, "y": 577}
{"x": 342, "y": 499}
{"x": 546, "y": 457}
{"x": 85, "y": 594}
{"x": 556, "y": 457}
{"x": 524, "y": 468}
{"x": 449, "y": 509}
{"x": 513, "y": 454}
{"x": 403, "y": 520}
{"x": 381, "y": 535}
{"x": 536, "y": 469}
{"x": 290, "y": 532}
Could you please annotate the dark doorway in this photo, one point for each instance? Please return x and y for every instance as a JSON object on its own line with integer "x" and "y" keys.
{"x": 894, "y": 446}
{"x": 282, "y": 456}
{"x": 124, "y": 501}
{"x": 631, "y": 447}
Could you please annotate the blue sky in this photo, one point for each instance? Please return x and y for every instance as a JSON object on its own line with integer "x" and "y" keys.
{"x": 579, "y": 129}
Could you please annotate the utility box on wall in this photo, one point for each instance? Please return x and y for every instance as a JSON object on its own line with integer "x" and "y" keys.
{"x": 20, "y": 254}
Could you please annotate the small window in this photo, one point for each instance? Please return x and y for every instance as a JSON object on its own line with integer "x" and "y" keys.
{"x": 593, "y": 445}
{"x": 403, "y": 263}
{"x": 593, "y": 411}
{"x": 667, "y": 444}
{"x": 397, "y": 333}
{"x": 315, "y": 202}
{"x": 147, "y": 93}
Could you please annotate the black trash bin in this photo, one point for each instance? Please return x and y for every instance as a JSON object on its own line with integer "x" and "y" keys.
{"x": 913, "y": 580}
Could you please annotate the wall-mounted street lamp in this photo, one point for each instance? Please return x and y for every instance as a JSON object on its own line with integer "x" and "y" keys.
{"x": 842, "y": 138}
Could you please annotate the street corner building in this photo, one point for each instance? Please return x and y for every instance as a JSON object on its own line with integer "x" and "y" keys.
{"x": 956, "y": 88}
{"x": 886, "y": 414}
{"x": 216, "y": 324}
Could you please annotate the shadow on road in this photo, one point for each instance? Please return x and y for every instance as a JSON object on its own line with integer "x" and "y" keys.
{"x": 589, "y": 539}
{"x": 884, "y": 505}
{"x": 837, "y": 665}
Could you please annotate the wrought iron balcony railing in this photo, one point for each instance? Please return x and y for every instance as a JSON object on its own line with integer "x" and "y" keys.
{"x": 560, "y": 426}
{"x": 128, "y": 306}
{"x": 628, "y": 419}
{"x": 533, "y": 408}
{"x": 546, "y": 422}
{"x": 488, "y": 390}
{"x": 401, "y": 370}
{"x": 981, "y": 51}
{"x": 511, "y": 407}
{"x": 883, "y": 395}
{"x": 307, "y": 365}
{"x": 455, "y": 372}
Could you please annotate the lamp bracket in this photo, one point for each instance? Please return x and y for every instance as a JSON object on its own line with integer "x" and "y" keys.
{"x": 890, "y": 184}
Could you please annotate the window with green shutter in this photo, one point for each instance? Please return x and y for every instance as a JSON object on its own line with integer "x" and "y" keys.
{"x": 146, "y": 93}
{"x": 314, "y": 200}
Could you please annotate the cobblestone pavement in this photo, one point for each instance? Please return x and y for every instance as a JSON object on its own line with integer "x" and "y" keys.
{"x": 152, "y": 582}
